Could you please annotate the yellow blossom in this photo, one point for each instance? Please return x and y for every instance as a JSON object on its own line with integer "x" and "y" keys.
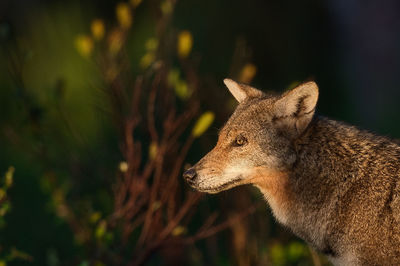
{"x": 135, "y": 3}
{"x": 173, "y": 77}
{"x": 97, "y": 28}
{"x": 151, "y": 44}
{"x": 9, "y": 176}
{"x": 94, "y": 217}
{"x": 84, "y": 45}
{"x": 2, "y": 193}
{"x": 153, "y": 150}
{"x": 248, "y": 72}
{"x": 182, "y": 90}
{"x": 202, "y": 124}
{"x": 101, "y": 229}
{"x": 156, "y": 205}
{"x": 185, "y": 43}
{"x": 123, "y": 166}
{"x": 124, "y": 15}
{"x": 166, "y": 7}
{"x": 147, "y": 60}
{"x": 179, "y": 230}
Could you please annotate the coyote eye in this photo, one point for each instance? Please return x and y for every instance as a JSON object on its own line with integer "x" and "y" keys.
{"x": 240, "y": 140}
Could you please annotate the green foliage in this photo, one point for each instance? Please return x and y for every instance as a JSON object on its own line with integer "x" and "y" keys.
{"x": 289, "y": 254}
{"x": 98, "y": 153}
{"x": 202, "y": 124}
{"x": 178, "y": 84}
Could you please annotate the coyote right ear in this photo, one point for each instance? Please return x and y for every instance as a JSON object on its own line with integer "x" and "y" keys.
{"x": 296, "y": 107}
{"x": 242, "y": 91}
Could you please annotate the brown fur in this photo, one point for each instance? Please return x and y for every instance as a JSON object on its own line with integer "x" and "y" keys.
{"x": 335, "y": 186}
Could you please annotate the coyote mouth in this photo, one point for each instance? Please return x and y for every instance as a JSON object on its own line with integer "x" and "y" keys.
{"x": 215, "y": 189}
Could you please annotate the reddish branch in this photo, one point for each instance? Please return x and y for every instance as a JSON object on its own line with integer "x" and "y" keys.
{"x": 149, "y": 196}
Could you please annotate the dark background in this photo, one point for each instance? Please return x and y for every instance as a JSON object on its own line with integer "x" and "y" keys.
{"x": 350, "y": 48}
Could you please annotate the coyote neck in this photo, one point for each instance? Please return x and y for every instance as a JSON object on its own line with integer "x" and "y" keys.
{"x": 339, "y": 169}
{"x": 316, "y": 197}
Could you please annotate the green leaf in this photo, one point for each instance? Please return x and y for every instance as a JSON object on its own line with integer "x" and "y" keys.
{"x": 101, "y": 229}
{"x": 173, "y": 77}
{"x": 3, "y": 193}
{"x": 203, "y": 123}
{"x": 5, "y": 208}
{"x": 296, "y": 251}
{"x": 9, "y": 176}
{"x": 182, "y": 90}
{"x": 277, "y": 253}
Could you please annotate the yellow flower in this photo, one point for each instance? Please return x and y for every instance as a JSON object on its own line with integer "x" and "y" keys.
{"x": 153, "y": 150}
{"x": 124, "y": 15}
{"x": 84, "y": 45}
{"x": 2, "y": 193}
{"x": 179, "y": 230}
{"x": 123, "y": 166}
{"x": 9, "y": 176}
{"x": 185, "y": 43}
{"x": 97, "y": 28}
{"x": 248, "y": 72}
{"x": 147, "y": 60}
{"x": 151, "y": 44}
{"x": 94, "y": 217}
{"x": 166, "y": 7}
{"x": 182, "y": 90}
{"x": 101, "y": 229}
{"x": 202, "y": 124}
{"x": 156, "y": 205}
{"x": 173, "y": 77}
{"x": 277, "y": 254}
{"x": 135, "y": 3}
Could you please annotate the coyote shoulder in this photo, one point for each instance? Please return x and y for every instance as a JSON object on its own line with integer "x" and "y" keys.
{"x": 335, "y": 186}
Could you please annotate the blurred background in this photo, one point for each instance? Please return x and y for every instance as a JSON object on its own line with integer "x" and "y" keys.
{"x": 104, "y": 104}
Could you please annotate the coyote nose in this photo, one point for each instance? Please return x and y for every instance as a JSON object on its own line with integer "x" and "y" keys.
{"x": 190, "y": 174}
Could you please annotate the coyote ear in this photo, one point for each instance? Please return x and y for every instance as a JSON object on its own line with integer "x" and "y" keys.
{"x": 241, "y": 91}
{"x": 297, "y": 106}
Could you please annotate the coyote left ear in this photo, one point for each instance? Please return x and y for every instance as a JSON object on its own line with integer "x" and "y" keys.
{"x": 297, "y": 107}
{"x": 241, "y": 91}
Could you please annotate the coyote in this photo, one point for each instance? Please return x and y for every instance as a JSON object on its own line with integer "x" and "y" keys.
{"x": 335, "y": 186}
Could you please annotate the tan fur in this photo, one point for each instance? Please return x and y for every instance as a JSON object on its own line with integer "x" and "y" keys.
{"x": 275, "y": 187}
{"x": 332, "y": 184}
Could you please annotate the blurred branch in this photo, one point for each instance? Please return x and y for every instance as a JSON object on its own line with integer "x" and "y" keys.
{"x": 206, "y": 230}
{"x": 151, "y": 205}
{"x": 314, "y": 256}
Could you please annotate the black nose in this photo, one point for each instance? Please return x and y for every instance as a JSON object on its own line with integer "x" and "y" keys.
{"x": 190, "y": 174}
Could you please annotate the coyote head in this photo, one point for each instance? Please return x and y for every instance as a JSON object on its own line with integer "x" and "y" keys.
{"x": 256, "y": 145}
